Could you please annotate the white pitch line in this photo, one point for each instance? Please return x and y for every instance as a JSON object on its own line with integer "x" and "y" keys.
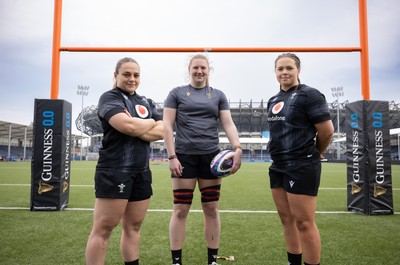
{"x": 194, "y": 211}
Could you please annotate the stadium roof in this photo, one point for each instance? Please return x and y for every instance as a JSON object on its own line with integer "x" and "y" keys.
{"x": 395, "y": 131}
{"x": 18, "y": 131}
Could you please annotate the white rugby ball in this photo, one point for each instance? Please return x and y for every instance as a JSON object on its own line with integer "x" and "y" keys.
{"x": 221, "y": 164}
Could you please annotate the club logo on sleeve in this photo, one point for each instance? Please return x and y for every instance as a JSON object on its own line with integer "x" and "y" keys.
{"x": 141, "y": 111}
{"x": 278, "y": 107}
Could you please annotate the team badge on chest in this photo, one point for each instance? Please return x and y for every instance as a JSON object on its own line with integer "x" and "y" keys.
{"x": 278, "y": 107}
{"x": 141, "y": 111}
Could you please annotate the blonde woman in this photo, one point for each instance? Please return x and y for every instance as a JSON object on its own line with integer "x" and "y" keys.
{"x": 196, "y": 110}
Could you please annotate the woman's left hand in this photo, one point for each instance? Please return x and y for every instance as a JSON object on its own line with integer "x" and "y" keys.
{"x": 237, "y": 160}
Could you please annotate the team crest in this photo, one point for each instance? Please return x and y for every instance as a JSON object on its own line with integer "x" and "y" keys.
{"x": 141, "y": 111}
{"x": 278, "y": 107}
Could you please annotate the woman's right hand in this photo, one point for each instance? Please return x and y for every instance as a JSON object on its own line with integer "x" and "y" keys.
{"x": 175, "y": 167}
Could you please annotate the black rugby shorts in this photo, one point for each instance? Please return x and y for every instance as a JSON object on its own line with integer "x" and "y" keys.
{"x": 133, "y": 186}
{"x": 197, "y": 166}
{"x": 298, "y": 177}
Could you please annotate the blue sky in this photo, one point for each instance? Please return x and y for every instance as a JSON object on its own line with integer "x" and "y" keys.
{"x": 26, "y": 44}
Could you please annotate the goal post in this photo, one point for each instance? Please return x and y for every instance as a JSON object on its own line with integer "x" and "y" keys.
{"x": 362, "y": 49}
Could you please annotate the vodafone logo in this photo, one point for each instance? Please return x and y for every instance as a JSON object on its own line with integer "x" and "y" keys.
{"x": 141, "y": 111}
{"x": 278, "y": 107}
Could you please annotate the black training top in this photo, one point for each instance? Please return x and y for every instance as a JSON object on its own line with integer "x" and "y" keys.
{"x": 120, "y": 151}
{"x": 291, "y": 118}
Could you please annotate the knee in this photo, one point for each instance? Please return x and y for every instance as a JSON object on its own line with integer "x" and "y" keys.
{"x": 287, "y": 218}
{"x": 102, "y": 232}
{"x": 181, "y": 213}
{"x": 131, "y": 226}
{"x": 210, "y": 210}
{"x": 304, "y": 225}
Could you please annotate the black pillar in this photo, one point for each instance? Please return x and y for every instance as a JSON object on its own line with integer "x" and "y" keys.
{"x": 51, "y": 163}
{"x": 369, "y": 177}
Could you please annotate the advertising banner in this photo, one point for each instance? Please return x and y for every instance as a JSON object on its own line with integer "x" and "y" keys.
{"x": 50, "y": 167}
{"x": 380, "y": 177}
{"x": 369, "y": 179}
{"x": 356, "y": 158}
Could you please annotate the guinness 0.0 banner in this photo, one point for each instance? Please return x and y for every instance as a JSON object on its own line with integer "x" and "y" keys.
{"x": 50, "y": 168}
{"x": 356, "y": 158}
{"x": 369, "y": 177}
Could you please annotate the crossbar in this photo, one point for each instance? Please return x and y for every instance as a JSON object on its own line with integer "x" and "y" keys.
{"x": 209, "y": 49}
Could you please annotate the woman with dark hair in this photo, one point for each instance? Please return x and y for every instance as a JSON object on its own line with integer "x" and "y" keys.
{"x": 300, "y": 131}
{"x": 123, "y": 177}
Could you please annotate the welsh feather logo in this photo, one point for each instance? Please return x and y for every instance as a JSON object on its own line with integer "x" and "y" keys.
{"x": 141, "y": 111}
{"x": 278, "y": 107}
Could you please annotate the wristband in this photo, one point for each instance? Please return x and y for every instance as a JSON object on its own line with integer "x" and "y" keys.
{"x": 171, "y": 157}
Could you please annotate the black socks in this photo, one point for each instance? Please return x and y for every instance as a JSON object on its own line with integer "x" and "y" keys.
{"x": 294, "y": 259}
{"x": 135, "y": 262}
{"x": 212, "y": 255}
{"x": 176, "y": 257}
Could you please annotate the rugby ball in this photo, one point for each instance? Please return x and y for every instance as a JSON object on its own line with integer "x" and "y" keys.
{"x": 222, "y": 163}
